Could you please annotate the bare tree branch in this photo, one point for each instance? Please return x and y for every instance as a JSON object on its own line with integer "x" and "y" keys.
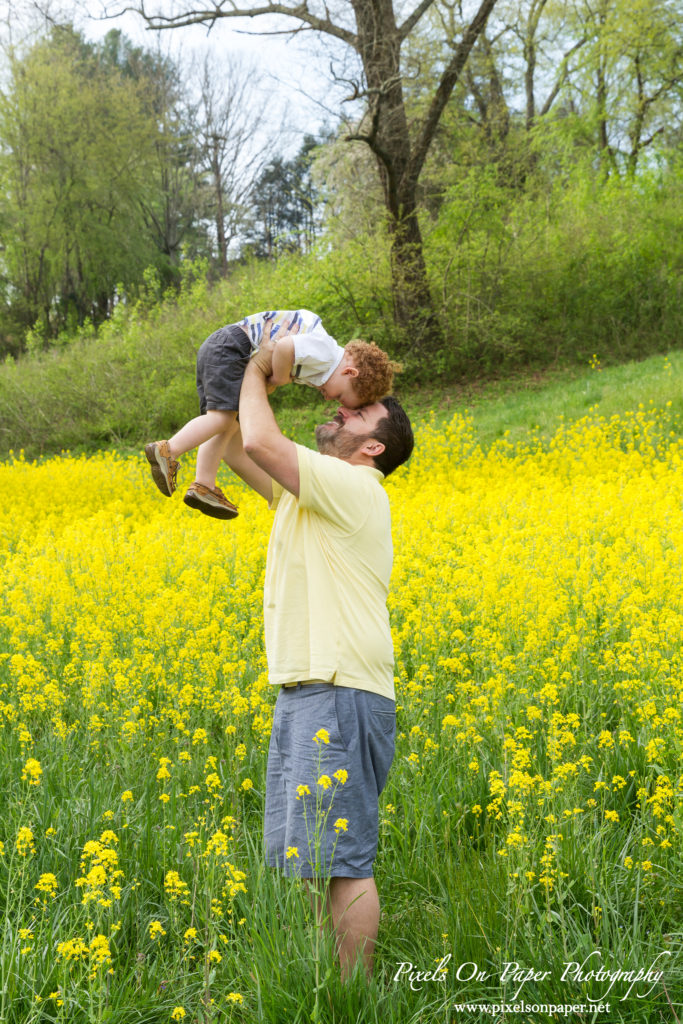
{"x": 562, "y": 75}
{"x": 411, "y": 21}
{"x": 228, "y": 9}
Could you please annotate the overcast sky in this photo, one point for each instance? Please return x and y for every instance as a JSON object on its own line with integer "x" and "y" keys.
{"x": 296, "y": 78}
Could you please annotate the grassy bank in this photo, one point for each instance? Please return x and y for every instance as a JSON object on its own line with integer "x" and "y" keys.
{"x": 52, "y": 412}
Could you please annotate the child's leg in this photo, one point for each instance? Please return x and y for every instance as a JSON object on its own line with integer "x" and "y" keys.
{"x": 210, "y": 453}
{"x": 221, "y": 361}
{"x": 202, "y": 429}
{"x": 213, "y": 425}
{"x": 203, "y": 495}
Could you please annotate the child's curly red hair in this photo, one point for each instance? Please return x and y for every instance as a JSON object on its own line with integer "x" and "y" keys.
{"x": 375, "y": 370}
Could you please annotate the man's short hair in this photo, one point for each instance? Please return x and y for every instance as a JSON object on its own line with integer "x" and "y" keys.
{"x": 396, "y": 434}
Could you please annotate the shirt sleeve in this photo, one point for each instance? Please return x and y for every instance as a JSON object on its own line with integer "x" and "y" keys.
{"x": 278, "y": 491}
{"x": 334, "y": 489}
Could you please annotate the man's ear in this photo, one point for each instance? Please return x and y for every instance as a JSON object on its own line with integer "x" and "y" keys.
{"x": 373, "y": 448}
{"x": 350, "y": 371}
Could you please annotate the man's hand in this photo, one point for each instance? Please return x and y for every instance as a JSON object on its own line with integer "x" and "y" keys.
{"x": 279, "y": 374}
{"x": 263, "y": 357}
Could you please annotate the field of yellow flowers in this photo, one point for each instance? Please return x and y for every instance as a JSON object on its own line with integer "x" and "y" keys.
{"x": 532, "y": 825}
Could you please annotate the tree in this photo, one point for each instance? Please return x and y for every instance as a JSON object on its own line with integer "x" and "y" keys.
{"x": 346, "y": 180}
{"x": 173, "y": 207}
{"x": 632, "y": 77}
{"x": 226, "y": 116}
{"x": 515, "y": 80}
{"x": 372, "y": 29}
{"x": 283, "y": 201}
{"x": 76, "y": 148}
{"x": 608, "y": 71}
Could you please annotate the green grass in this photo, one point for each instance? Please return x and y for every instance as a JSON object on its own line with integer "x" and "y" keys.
{"x": 535, "y": 403}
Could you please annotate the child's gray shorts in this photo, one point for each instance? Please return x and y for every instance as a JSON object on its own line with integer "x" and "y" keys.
{"x": 221, "y": 362}
{"x": 321, "y": 817}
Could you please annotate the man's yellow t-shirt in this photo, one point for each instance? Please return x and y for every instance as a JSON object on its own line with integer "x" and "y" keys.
{"x": 327, "y": 578}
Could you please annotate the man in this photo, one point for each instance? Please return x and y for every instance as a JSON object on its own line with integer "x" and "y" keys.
{"x": 328, "y": 645}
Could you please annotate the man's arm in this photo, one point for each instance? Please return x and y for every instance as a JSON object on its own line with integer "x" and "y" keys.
{"x": 262, "y": 439}
{"x": 240, "y": 463}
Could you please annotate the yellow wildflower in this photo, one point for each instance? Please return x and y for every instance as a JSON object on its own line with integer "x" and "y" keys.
{"x": 24, "y": 841}
{"x": 32, "y": 772}
{"x": 47, "y": 883}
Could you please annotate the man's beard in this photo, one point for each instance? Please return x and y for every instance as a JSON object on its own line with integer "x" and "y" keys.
{"x": 338, "y": 441}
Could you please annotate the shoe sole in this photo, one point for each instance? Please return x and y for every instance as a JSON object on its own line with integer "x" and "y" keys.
{"x": 215, "y": 511}
{"x": 157, "y": 472}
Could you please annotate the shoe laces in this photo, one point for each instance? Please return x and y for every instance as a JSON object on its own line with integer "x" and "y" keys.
{"x": 219, "y": 494}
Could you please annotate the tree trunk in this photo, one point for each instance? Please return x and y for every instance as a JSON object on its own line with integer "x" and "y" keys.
{"x": 604, "y": 148}
{"x": 378, "y": 40}
{"x": 220, "y": 214}
{"x": 379, "y": 45}
{"x": 413, "y": 307}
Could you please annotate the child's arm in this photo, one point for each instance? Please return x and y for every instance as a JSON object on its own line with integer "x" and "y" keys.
{"x": 283, "y": 361}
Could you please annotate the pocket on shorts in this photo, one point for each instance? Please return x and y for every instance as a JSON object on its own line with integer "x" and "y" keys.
{"x": 381, "y": 738}
{"x": 385, "y": 721}
{"x": 346, "y": 716}
{"x": 313, "y": 708}
{"x": 231, "y": 370}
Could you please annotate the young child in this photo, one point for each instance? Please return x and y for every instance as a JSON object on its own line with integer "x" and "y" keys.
{"x": 357, "y": 375}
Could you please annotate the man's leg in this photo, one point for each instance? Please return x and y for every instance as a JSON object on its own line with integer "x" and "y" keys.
{"x": 354, "y": 905}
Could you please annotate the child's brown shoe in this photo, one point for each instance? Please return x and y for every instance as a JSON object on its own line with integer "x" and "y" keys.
{"x": 211, "y": 501}
{"x": 164, "y": 468}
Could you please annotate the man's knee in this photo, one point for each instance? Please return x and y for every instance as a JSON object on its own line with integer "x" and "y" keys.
{"x": 354, "y": 898}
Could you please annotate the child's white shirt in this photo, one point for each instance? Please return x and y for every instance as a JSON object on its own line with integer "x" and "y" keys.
{"x": 316, "y": 354}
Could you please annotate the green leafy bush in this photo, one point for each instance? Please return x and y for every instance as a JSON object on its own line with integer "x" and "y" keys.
{"x": 548, "y": 278}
